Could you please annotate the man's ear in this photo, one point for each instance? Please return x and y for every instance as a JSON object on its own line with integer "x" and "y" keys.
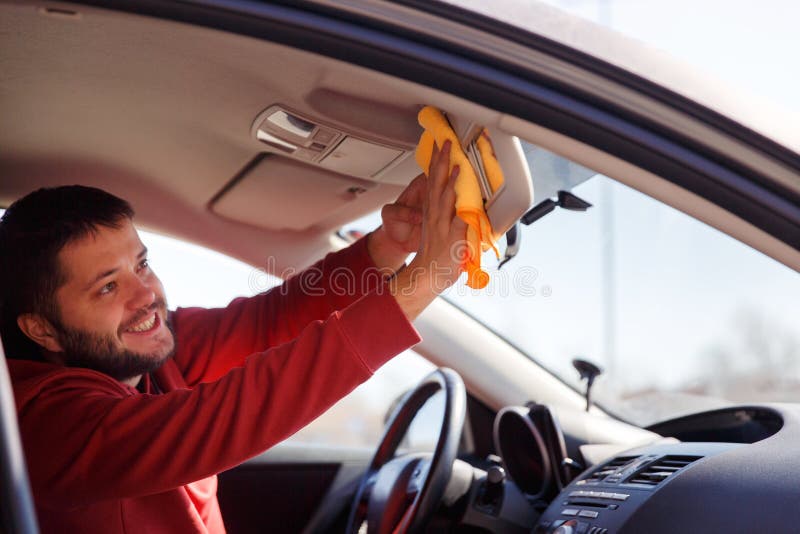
{"x": 39, "y": 330}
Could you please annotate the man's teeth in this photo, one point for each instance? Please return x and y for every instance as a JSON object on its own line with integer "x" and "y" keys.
{"x": 143, "y": 327}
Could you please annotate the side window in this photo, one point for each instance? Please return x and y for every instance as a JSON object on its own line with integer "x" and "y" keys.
{"x": 359, "y": 418}
{"x": 195, "y": 276}
{"x": 679, "y": 316}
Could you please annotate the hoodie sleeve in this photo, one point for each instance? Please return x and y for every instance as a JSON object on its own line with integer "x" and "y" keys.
{"x": 212, "y": 341}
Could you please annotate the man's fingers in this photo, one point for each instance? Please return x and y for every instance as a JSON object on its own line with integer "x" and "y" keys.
{"x": 447, "y": 201}
{"x": 458, "y": 229}
{"x": 397, "y": 212}
{"x": 413, "y": 193}
{"x": 434, "y": 158}
{"x": 439, "y": 172}
{"x": 449, "y": 194}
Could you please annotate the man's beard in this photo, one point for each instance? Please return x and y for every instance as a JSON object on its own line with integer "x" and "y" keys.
{"x": 103, "y": 353}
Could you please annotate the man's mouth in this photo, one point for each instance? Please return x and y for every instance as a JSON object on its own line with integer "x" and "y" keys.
{"x": 146, "y": 325}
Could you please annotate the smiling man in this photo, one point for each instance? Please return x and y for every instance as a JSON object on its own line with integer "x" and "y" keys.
{"x": 93, "y": 327}
{"x": 127, "y": 411}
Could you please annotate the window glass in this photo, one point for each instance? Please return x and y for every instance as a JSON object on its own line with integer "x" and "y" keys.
{"x": 359, "y": 419}
{"x": 680, "y": 316}
{"x": 749, "y": 45}
{"x": 196, "y": 276}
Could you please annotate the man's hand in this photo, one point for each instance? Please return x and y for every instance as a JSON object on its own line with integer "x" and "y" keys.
{"x": 437, "y": 264}
{"x": 399, "y": 235}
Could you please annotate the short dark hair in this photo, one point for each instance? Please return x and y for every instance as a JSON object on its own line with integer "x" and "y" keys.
{"x": 33, "y": 231}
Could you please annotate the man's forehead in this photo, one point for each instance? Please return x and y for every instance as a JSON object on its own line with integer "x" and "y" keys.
{"x": 81, "y": 260}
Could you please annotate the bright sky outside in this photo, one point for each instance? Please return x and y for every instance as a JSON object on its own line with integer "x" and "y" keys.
{"x": 751, "y": 45}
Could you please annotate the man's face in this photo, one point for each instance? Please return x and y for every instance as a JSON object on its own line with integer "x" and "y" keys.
{"x": 112, "y": 309}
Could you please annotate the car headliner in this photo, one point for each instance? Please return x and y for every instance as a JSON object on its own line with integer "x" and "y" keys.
{"x": 161, "y": 112}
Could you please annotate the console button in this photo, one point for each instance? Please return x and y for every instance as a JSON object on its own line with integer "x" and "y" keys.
{"x": 324, "y": 136}
{"x": 588, "y": 513}
{"x": 569, "y": 511}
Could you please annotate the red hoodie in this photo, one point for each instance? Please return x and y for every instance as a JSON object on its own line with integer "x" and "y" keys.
{"x": 104, "y": 457}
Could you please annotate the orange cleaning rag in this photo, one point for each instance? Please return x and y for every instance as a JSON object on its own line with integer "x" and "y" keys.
{"x": 469, "y": 201}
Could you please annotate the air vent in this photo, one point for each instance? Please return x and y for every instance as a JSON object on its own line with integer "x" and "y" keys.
{"x": 660, "y": 470}
{"x": 606, "y": 470}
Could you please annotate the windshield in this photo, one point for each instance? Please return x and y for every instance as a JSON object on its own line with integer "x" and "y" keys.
{"x": 679, "y": 316}
{"x": 731, "y": 56}
{"x": 748, "y": 45}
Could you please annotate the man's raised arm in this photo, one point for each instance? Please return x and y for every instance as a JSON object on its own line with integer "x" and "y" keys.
{"x": 211, "y": 342}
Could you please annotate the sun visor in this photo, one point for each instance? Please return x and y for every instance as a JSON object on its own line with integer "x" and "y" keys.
{"x": 505, "y": 204}
{"x": 266, "y": 194}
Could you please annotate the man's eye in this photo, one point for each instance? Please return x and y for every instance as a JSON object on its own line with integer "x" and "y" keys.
{"x": 108, "y": 288}
{"x": 144, "y": 264}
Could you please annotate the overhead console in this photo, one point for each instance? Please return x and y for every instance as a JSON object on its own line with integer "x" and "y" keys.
{"x": 336, "y": 173}
{"x": 345, "y": 156}
{"x": 306, "y": 139}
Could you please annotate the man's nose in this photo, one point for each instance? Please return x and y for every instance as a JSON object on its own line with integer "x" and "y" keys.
{"x": 141, "y": 296}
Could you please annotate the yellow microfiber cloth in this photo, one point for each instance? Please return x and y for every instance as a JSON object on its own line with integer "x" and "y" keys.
{"x": 469, "y": 201}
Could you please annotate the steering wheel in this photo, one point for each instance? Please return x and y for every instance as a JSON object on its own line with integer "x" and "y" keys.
{"x": 400, "y": 495}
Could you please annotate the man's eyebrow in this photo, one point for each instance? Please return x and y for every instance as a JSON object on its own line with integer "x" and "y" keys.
{"x": 100, "y": 276}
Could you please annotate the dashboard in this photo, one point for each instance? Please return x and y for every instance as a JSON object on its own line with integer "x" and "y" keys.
{"x": 729, "y": 470}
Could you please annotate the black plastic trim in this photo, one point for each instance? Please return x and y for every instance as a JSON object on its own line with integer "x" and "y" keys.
{"x": 754, "y": 198}
{"x": 735, "y": 424}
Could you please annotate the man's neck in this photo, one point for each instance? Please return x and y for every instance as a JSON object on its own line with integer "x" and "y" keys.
{"x": 132, "y": 382}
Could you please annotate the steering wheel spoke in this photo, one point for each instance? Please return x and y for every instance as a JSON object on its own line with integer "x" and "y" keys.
{"x": 369, "y": 483}
{"x": 400, "y": 494}
{"x": 418, "y": 477}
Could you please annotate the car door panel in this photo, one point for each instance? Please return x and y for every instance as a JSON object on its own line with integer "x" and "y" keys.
{"x": 292, "y": 488}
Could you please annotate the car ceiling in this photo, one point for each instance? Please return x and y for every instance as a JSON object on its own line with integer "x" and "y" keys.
{"x": 161, "y": 113}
